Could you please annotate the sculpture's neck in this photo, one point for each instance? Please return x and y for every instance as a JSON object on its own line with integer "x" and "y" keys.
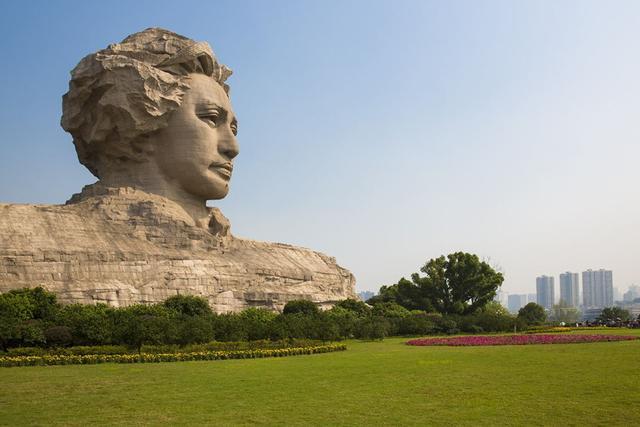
{"x": 150, "y": 181}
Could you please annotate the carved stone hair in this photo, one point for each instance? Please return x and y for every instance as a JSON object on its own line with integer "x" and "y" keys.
{"x": 124, "y": 92}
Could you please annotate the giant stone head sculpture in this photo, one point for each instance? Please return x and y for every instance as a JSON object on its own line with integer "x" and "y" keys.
{"x": 153, "y": 112}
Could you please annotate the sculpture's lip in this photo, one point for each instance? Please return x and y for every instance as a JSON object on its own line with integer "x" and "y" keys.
{"x": 222, "y": 169}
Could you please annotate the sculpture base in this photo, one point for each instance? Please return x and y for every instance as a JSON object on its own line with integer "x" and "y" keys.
{"x": 123, "y": 246}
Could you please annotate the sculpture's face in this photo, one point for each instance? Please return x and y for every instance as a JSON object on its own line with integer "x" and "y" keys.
{"x": 196, "y": 149}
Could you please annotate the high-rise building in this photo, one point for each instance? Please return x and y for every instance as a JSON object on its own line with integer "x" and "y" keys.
{"x": 597, "y": 288}
{"x": 532, "y": 298}
{"x": 570, "y": 289}
{"x": 515, "y": 302}
{"x": 545, "y": 291}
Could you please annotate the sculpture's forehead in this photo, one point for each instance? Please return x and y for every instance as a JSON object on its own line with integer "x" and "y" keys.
{"x": 205, "y": 90}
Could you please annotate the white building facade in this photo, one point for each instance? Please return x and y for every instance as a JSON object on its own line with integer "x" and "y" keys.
{"x": 597, "y": 288}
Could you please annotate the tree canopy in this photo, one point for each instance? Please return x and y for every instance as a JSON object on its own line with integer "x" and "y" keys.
{"x": 456, "y": 284}
{"x": 614, "y": 314}
{"x": 532, "y": 314}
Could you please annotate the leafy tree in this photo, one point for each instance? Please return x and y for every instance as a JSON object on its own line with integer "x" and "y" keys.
{"x": 372, "y": 328}
{"x": 31, "y": 332}
{"x": 300, "y": 306}
{"x": 194, "y": 329}
{"x": 258, "y": 322}
{"x": 58, "y": 336}
{"x": 358, "y": 307}
{"x": 188, "y": 305}
{"x": 390, "y": 310}
{"x": 44, "y": 303}
{"x": 532, "y": 314}
{"x": 145, "y": 324}
{"x": 15, "y": 309}
{"x": 614, "y": 314}
{"x": 229, "y": 327}
{"x": 404, "y": 293}
{"x": 324, "y": 328}
{"x": 459, "y": 284}
{"x": 456, "y": 284}
{"x": 89, "y": 324}
{"x": 344, "y": 319}
{"x": 493, "y": 317}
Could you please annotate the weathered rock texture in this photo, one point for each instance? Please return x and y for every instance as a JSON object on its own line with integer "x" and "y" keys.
{"x": 153, "y": 113}
{"x": 123, "y": 246}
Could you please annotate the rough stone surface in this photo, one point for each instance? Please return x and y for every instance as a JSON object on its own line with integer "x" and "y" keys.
{"x": 152, "y": 119}
{"x": 123, "y": 246}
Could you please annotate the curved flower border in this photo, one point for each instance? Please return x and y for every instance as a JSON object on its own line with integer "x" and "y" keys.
{"x": 90, "y": 359}
{"x": 474, "y": 340}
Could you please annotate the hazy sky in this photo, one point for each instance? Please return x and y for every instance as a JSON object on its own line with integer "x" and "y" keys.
{"x": 382, "y": 133}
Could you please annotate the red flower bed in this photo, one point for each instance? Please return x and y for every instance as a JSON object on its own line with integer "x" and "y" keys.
{"x": 474, "y": 340}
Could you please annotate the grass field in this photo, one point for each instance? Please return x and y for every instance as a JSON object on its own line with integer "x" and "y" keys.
{"x": 375, "y": 383}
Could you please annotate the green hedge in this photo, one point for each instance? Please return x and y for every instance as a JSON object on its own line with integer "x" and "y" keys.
{"x": 160, "y": 349}
{"x": 91, "y": 359}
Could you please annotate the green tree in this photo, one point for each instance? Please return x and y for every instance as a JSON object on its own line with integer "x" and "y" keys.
{"x": 89, "y": 324}
{"x": 258, "y": 322}
{"x": 493, "y": 317}
{"x": 355, "y": 306}
{"x": 532, "y": 314}
{"x": 344, "y": 319}
{"x": 15, "y": 310}
{"x": 194, "y": 329}
{"x": 188, "y": 305}
{"x": 404, "y": 293}
{"x": 390, "y": 310}
{"x": 145, "y": 324}
{"x": 614, "y": 314}
{"x": 44, "y": 303}
{"x": 229, "y": 327}
{"x": 456, "y": 284}
{"x": 300, "y": 306}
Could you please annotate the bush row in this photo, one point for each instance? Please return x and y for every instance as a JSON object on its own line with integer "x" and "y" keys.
{"x": 161, "y": 348}
{"x": 33, "y": 318}
{"x": 90, "y": 359}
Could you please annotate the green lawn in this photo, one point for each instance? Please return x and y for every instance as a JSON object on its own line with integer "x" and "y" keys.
{"x": 371, "y": 383}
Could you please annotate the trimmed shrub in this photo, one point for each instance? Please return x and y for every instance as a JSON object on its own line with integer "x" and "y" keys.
{"x": 12, "y": 361}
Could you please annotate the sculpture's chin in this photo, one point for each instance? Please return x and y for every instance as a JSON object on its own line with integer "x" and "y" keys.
{"x": 216, "y": 192}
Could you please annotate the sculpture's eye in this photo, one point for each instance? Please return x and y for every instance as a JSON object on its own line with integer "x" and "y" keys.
{"x": 234, "y": 127}
{"x": 211, "y": 118}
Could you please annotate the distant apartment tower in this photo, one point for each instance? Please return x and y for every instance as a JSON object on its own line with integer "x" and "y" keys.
{"x": 532, "y": 298}
{"x": 597, "y": 288}
{"x": 545, "y": 291}
{"x": 570, "y": 288}
{"x": 516, "y": 302}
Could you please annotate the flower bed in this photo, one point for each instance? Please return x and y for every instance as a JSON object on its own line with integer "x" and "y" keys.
{"x": 476, "y": 340}
{"x": 90, "y": 359}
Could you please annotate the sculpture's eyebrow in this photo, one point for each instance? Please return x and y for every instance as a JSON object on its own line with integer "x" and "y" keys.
{"x": 210, "y": 105}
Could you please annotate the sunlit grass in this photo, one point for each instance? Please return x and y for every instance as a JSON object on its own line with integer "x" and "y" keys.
{"x": 371, "y": 383}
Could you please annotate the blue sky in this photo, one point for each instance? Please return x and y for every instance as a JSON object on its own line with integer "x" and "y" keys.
{"x": 382, "y": 133}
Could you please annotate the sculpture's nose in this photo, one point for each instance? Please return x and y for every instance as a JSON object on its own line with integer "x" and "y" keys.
{"x": 228, "y": 145}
